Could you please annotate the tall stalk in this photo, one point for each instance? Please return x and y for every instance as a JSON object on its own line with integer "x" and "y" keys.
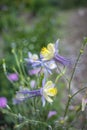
{"x": 71, "y": 78}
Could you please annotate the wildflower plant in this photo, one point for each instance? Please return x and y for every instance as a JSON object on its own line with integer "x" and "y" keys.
{"x": 37, "y": 83}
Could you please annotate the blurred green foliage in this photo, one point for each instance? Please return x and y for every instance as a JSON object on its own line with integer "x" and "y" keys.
{"x": 25, "y": 32}
{"x": 67, "y": 4}
{"x": 35, "y": 6}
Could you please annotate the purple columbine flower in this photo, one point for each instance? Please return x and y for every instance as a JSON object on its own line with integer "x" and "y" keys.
{"x": 12, "y": 77}
{"x": 36, "y": 65}
{"x": 3, "y": 102}
{"x": 51, "y": 53}
{"x": 46, "y": 91}
{"x": 33, "y": 64}
{"x": 24, "y": 94}
{"x": 51, "y": 113}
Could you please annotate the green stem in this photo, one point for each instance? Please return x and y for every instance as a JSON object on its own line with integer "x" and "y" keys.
{"x": 60, "y": 71}
{"x": 69, "y": 99}
{"x": 74, "y": 71}
{"x": 67, "y": 105}
{"x": 21, "y": 68}
{"x": 17, "y": 61}
{"x": 22, "y": 65}
{"x": 60, "y": 75}
{"x": 6, "y": 73}
{"x": 26, "y": 120}
{"x": 78, "y": 92}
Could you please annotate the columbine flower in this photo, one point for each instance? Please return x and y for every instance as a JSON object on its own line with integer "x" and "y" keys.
{"x": 12, "y": 76}
{"x": 51, "y": 113}
{"x": 31, "y": 57}
{"x": 51, "y": 53}
{"x": 46, "y": 91}
{"x": 35, "y": 64}
{"x": 3, "y": 102}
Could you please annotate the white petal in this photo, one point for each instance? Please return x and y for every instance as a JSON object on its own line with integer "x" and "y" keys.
{"x": 47, "y": 98}
{"x": 83, "y": 104}
{"x": 29, "y": 54}
{"x": 48, "y": 85}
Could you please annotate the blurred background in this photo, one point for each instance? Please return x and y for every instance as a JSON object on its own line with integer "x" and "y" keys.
{"x": 31, "y": 24}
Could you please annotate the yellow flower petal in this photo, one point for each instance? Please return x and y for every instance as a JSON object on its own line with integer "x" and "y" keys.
{"x": 52, "y": 91}
{"x": 51, "y": 48}
{"x": 49, "y": 84}
{"x": 48, "y": 53}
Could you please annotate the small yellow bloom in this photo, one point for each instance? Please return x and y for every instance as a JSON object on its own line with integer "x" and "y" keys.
{"x": 48, "y": 53}
{"x": 49, "y": 91}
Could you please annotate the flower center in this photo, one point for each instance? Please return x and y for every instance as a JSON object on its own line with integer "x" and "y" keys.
{"x": 52, "y": 91}
{"x": 48, "y": 53}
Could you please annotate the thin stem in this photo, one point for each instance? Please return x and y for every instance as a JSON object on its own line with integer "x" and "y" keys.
{"x": 6, "y": 73}
{"x": 67, "y": 105}
{"x": 78, "y": 92}
{"x": 62, "y": 72}
{"x": 74, "y": 70}
{"x": 17, "y": 61}
{"x": 21, "y": 68}
{"x": 60, "y": 75}
{"x": 70, "y": 97}
{"x": 22, "y": 65}
{"x": 26, "y": 120}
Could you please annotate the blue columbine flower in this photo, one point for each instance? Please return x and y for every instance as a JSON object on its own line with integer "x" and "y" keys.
{"x": 35, "y": 64}
{"x": 51, "y": 53}
{"x": 46, "y": 91}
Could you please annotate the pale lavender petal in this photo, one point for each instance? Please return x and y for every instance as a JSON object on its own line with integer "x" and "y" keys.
{"x": 34, "y": 71}
{"x": 51, "y": 113}
{"x": 13, "y": 77}
{"x": 29, "y": 54}
{"x": 24, "y": 95}
{"x": 56, "y": 45}
{"x": 3, "y": 102}
{"x": 62, "y": 60}
{"x": 32, "y": 83}
{"x": 32, "y": 92}
{"x": 43, "y": 81}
